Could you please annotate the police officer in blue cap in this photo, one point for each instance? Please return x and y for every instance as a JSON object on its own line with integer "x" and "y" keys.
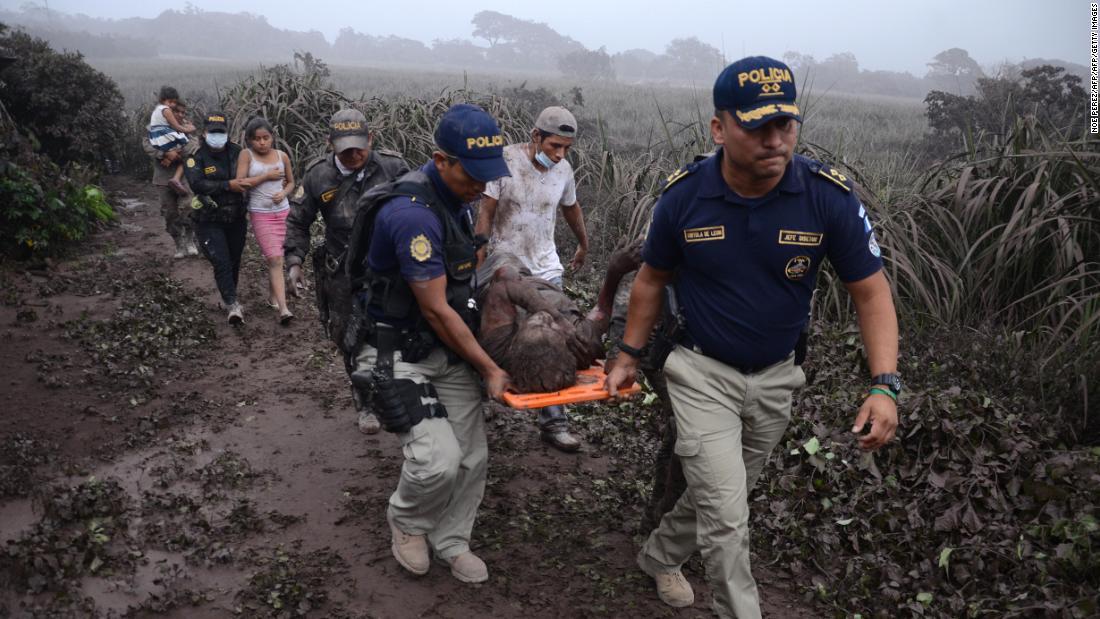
{"x": 745, "y": 232}
{"x": 418, "y": 361}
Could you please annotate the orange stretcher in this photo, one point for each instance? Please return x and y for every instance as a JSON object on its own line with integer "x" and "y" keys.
{"x": 589, "y": 388}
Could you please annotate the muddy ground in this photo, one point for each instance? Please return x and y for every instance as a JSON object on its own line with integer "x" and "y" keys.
{"x": 155, "y": 461}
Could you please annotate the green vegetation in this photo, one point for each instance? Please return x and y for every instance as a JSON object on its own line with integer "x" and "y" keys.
{"x": 59, "y": 120}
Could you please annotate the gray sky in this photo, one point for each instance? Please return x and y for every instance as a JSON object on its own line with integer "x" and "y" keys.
{"x": 883, "y": 35}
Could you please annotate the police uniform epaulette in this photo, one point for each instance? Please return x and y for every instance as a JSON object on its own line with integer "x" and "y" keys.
{"x": 318, "y": 160}
{"x": 389, "y": 153}
{"x": 835, "y": 176}
{"x": 680, "y": 174}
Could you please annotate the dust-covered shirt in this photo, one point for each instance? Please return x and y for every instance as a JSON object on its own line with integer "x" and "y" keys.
{"x": 527, "y": 202}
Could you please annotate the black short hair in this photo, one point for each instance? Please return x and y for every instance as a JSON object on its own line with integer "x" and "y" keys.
{"x": 254, "y": 125}
{"x": 168, "y": 92}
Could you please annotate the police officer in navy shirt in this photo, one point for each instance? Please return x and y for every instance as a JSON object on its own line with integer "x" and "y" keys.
{"x": 421, "y": 357}
{"x": 745, "y": 232}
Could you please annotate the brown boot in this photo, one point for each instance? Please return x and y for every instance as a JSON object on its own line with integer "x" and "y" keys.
{"x": 468, "y": 568}
{"x": 672, "y": 587}
{"x": 411, "y": 551}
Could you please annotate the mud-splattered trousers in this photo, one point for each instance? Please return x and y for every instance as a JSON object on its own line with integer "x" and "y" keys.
{"x": 446, "y": 459}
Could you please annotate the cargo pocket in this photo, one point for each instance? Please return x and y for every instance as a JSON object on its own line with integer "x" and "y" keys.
{"x": 686, "y": 446}
{"x": 418, "y": 448}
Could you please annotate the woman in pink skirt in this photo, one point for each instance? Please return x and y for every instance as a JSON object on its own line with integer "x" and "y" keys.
{"x": 272, "y": 179}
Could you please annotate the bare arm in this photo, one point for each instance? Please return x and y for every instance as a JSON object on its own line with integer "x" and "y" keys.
{"x": 486, "y": 211}
{"x": 288, "y": 179}
{"x": 641, "y": 315}
{"x": 878, "y": 326}
{"x": 431, "y": 296}
{"x": 623, "y": 261}
{"x": 575, "y": 218}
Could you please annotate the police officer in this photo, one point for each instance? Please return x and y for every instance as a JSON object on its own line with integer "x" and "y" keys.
{"x": 219, "y": 215}
{"x": 332, "y": 187}
{"x": 746, "y": 231}
{"x": 420, "y": 357}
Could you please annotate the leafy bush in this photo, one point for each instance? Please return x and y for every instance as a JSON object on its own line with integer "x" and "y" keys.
{"x": 38, "y": 219}
{"x": 72, "y": 110}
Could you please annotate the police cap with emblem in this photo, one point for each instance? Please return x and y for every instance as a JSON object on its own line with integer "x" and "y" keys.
{"x": 348, "y": 129}
{"x": 215, "y": 123}
{"x": 755, "y": 90}
{"x": 469, "y": 134}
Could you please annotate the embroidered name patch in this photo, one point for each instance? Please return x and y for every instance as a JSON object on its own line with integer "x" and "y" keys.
{"x": 710, "y": 233}
{"x": 794, "y": 237}
{"x": 209, "y": 170}
{"x": 328, "y": 195}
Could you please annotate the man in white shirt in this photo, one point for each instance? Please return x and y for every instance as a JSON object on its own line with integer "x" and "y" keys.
{"x": 517, "y": 214}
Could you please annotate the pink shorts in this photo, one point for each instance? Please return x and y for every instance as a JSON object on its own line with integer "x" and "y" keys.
{"x": 270, "y": 231}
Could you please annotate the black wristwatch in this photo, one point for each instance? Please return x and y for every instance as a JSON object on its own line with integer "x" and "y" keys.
{"x": 892, "y": 382}
{"x": 630, "y": 350}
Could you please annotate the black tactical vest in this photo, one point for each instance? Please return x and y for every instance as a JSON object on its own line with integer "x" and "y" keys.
{"x": 391, "y": 299}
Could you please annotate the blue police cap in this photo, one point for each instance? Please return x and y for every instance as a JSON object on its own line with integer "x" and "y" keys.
{"x": 470, "y": 134}
{"x": 755, "y": 90}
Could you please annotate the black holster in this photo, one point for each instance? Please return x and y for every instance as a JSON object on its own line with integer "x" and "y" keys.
{"x": 399, "y": 403}
{"x": 669, "y": 332}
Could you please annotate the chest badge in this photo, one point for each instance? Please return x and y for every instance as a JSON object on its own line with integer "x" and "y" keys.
{"x": 420, "y": 248}
{"x": 797, "y": 268}
{"x": 710, "y": 233}
{"x": 327, "y": 196}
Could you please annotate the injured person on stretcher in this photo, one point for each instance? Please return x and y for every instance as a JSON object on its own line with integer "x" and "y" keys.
{"x": 534, "y": 331}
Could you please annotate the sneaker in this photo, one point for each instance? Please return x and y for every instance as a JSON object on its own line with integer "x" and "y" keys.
{"x": 368, "y": 423}
{"x": 178, "y": 187}
{"x": 467, "y": 567}
{"x": 672, "y": 587}
{"x": 236, "y": 314}
{"x": 411, "y": 551}
{"x": 561, "y": 440}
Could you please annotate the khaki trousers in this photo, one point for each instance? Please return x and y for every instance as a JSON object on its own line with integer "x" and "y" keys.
{"x": 176, "y": 211}
{"x": 446, "y": 459}
{"x": 727, "y": 424}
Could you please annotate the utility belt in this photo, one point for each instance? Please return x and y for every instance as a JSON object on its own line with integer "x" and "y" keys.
{"x": 399, "y": 403}
{"x": 799, "y": 355}
{"x": 413, "y": 344}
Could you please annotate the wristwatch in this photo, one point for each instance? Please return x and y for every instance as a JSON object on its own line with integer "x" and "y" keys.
{"x": 891, "y": 381}
{"x": 630, "y": 350}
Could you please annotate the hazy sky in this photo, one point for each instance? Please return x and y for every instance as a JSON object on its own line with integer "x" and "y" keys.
{"x": 882, "y": 34}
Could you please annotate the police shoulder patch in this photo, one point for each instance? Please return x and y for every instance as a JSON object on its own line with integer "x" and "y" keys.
{"x": 420, "y": 248}
{"x": 389, "y": 153}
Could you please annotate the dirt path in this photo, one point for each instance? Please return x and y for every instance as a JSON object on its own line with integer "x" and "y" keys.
{"x": 156, "y": 462}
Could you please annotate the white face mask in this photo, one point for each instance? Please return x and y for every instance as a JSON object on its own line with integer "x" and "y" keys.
{"x": 544, "y": 160}
{"x": 217, "y": 141}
